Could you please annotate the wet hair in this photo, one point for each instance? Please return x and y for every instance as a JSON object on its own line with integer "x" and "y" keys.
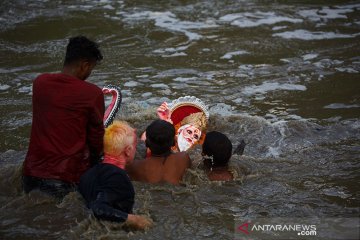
{"x": 160, "y": 137}
{"x": 117, "y": 137}
{"x": 81, "y": 48}
{"x": 218, "y": 146}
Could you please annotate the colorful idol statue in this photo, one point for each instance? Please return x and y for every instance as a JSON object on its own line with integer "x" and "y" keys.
{"x": 189, "y": 115}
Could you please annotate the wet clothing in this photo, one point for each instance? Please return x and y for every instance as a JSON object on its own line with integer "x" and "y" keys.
{"x": 67, "y": 128}
{"x": 55, "y": 188}
{"x": 108, "y": 192}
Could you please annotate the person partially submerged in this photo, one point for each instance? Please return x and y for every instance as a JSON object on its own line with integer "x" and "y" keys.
{"x": 162, "y": 165}
{"x": 106, "y": 187}
{"x": 67, "y": 126}
{"x": 217, "y": 151}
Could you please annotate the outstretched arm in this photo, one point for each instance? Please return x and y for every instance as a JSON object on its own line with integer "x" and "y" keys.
{"x": 103, "y": 210}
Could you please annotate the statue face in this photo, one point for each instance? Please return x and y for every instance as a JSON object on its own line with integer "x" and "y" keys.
{"x": 187, "y": 136}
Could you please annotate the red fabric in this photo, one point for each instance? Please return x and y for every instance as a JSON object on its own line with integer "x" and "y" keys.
{"x": 181, "y": 112}
{"x": 67, "y": 124}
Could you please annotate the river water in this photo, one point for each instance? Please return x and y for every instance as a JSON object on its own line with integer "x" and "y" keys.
{"x": 282, "y": 76}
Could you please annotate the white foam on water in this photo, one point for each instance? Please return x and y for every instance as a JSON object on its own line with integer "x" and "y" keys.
{"x": 179, "y": 86}
{"x": 142, "y": 76}
{"x": 25, "y": 89}
{"x": 294, "y": 117}
{"x": 147, "y": 94}
{"x": 159, "y": 85}
{"x": 307, "y": 35}
{"x": 175, "y": 72}
{"x": 259, "y": 98}
{"x": 273, "y": 152}
{"x": 327, "y": 63}
{"x": 177, "y": 54}
{"x": 348, "y": 70}
{"x": 245, "y": 20}
{"x": 222, "y": 109}
{"x": 131, "y": 84}
{"x": 272, "y": 86}
{"x": 109, "y": 7}
{"x": 177, "y": 51}
{"x": 115, "y": 18}
{"x": 246, "y": 67}
{"x": 238, "y": 100}
{"x": 235, "y": 53}
{"x": 310, "y": 56}
{"x": 327, "y": 13}
{"x": 171, "y": 50}
{"x": 80, "y": 6}
{"x": 281, "y": 128}
{"x": 355, "y": 6}
{"x": 285, "y": 60}
{"x": 341, "y": 106}
{"x": 184, "y": 79}
{"x": 336, "y": 192}
{"x": 169, "y": 21}
{"x": 278, "y": 28}
{"x": 4, "y": 87}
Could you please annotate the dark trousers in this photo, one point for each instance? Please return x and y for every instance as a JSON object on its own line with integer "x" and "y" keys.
{"x": 53, "y": 187}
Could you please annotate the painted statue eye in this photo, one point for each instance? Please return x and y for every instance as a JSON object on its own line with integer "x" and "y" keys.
{"x": 196, "y": 136}
{"x": 189, "y": 131}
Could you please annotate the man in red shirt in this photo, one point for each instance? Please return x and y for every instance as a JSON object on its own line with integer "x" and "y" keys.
{"x": 67, "y": 129}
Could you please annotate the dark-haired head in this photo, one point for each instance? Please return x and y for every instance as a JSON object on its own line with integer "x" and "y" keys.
{"x": 160, "y": 137}
{"x": 218, "y": 147}
{"x": 81, "y": 48}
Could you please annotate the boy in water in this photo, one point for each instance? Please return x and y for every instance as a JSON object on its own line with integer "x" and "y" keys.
{"x": 163, "y": 165}
{"x": 106, "y": 187}
{"x": 217, "y": 151}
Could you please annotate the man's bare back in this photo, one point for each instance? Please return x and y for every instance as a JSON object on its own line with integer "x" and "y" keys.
{"x": 162, "y": 165}
{"x": 157, "y": 169}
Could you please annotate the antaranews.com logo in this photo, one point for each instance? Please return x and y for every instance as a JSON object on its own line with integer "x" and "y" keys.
{"x": 302, "y": 230}
{"x": 297, "y": 228}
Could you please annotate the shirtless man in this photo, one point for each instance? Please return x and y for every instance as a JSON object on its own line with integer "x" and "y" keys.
{"x": 163, "y": 165}
{"x": 217, "y": 151}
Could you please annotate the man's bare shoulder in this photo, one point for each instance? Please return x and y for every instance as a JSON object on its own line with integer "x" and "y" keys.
{"x": 180, "y": 158}
{"x": 182, "y": 155}
{"x": 135, "y": 167}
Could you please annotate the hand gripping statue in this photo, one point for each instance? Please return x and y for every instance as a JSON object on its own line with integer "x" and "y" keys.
{"x": 189, "y": 115}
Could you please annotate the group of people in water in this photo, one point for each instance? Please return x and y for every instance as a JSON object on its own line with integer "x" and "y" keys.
{"x": 70, "y": 149}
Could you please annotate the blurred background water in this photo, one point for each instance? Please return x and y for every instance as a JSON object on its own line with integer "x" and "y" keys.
{"x": 282, "y": 75}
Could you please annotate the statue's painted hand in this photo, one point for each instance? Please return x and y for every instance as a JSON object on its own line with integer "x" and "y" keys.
{"x": 163, "y": 112}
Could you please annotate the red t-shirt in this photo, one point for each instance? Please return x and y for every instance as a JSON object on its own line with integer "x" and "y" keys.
{"x": 67, "y": 125}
